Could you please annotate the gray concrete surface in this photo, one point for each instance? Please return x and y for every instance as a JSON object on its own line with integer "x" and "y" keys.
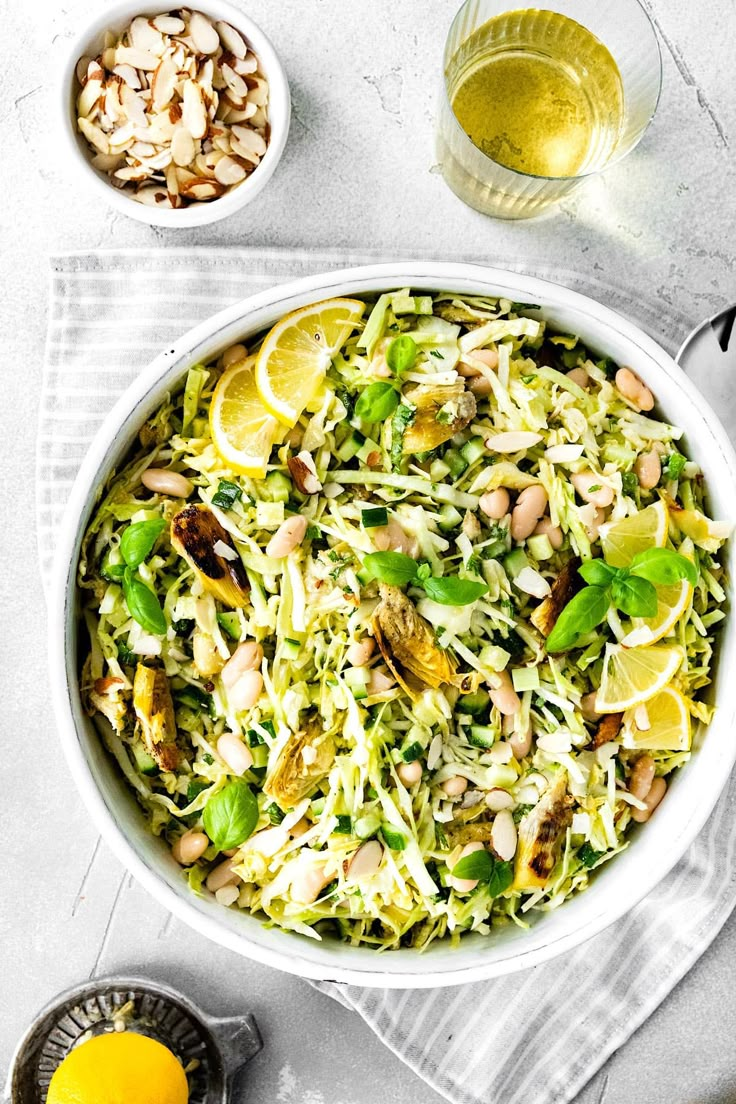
{"x": 358, "y": 172}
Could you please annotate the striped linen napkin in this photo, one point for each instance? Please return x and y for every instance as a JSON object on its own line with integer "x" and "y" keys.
{"x": 530, "y": 1038}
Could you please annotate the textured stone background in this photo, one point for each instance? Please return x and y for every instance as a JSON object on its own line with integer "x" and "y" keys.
{"x": 358, "y": 172}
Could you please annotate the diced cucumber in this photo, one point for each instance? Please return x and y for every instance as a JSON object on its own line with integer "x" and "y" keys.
{"x": 368, "y": 446}
{"x": 413, "y": 752}
{"x": 230, "y": 622}
{"x": 350, "y": 446}
{"x": 260, "y": 755}
{"x": 473, "y": 449}
{"x": 540, "y": 547}
{"x": 450, "y": 518}
{"x": 402, "y": 303}
{"x": 438, "y": 469}
{"x": 455, "y": 462}
{"x": 393, "y": 839}
{"x": 482, "y": 736}
{"x": 475, "y": 704}
{"x": 525, "y": 678}
{"x": 277, "y": 487}
{"x": 145, "y": 763}
{"x": 344, "y": 826}
{"x": 318, "y": 806}
{"x": 357, "y": 681}
{"x": 291, "y": 648}
{"x": 374, "y": 517}
{"x": 269, "y": 514}
{"x": 515, "y": 563}
{"x": 367, "y": 826}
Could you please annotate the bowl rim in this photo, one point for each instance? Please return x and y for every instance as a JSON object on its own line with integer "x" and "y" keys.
{"x": 371, "y": 278}
{"x": 202, "y": 214}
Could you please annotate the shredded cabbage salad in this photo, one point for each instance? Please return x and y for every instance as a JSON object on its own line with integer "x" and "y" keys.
{"x": 368, "y": 737}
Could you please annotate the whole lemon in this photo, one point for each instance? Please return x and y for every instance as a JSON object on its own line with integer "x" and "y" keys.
{"x": 119, "y": 1068}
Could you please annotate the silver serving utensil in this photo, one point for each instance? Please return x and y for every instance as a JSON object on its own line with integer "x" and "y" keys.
{"x": 708, "y": 356}
{"x": 215, "y": 1050}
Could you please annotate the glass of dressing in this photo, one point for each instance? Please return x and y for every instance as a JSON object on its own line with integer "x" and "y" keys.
{"x": 536, "y": 100}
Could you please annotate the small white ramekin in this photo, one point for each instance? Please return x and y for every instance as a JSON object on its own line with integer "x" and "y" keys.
{"x": 89, "y": 42}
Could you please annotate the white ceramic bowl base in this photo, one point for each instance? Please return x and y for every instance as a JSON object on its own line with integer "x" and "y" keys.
{"x": 620, "y": 884}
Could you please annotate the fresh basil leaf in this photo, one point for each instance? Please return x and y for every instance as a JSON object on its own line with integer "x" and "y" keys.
{"x": 401, "y": 354}
{"x": 581, "y": 615}
{"x": 629, "y": 483}
{"x": 589, "y": 856}
{"x": 138, "y": 540}
{"x": 673, "y": 465}
{"x": 377, "y": 402}
{"x": 476, "y": 866}
{"x": 634, "y": 597}
{"x": 454, "y": 591}
{"x": 143, "y": 605}
{"x": 598, "y": 572}
{"x": 500, "y": 878}
{"x": 230, "y": 815}
{"x": 663, "y": 567}
{"x": 227, "y": 494}
{"x": 393, "y": 568}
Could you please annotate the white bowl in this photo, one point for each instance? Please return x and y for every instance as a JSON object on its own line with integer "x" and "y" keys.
{"x": 88, "y": 42}
{"x": 620, "y": 884}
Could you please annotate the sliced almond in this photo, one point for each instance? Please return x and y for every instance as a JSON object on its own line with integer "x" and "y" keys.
{"x": 235, "y": 82}
{"x": 164, "y": 83}
{"x": 172, "y": 181}
{"x": 169, "y": 24}
{"x": 201, "y": 189}
{"x": 128, "y": 74}
{"x": 195, "y": 116}
{"x": 107, "y": 58}
{"x": 161, "y": 129}
{"x": 139, "y": 150}
{"x": 81, "y": 69}
{"x": 240, "y": 115}
{"x": 134, "y": 105}
{"x": 245, "y": 66}
{"x": 228, "y": 171}
{"x": 108, "y": 162}
{"x": 122, "y": 137}
{"x": 259, "y": 94}
{"x": 94, "y": 135}
{"x": 153, "y": 196}
{"x": 204, "y": 36}
{"x": 144, "y": 36}
{"x": 183, "y": 149}
{"x": 259, "y": 119}
{"x": 250, "y": 139}
{"x": 205, "y": 166}
{"x": 175, "y": 113}
{"x": 139, "y": 59}
{"x": 231, "y": 39}
{"x": 88, "y": 97}
{"x": 133, "y": 172}
{"x": 159, "y": 161}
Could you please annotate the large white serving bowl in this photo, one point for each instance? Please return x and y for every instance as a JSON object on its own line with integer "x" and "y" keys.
{"x": 620, "y": 884}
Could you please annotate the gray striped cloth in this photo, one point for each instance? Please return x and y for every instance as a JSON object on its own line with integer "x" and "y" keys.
{"x": 530, "y": 1038}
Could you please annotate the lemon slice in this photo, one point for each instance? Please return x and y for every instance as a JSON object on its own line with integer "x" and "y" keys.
{"x": 672, "y": 603}
{"x": 297, "y": 352}
{"x": 634, "y": 675}
{"x": 242, "y": 429}
{"x": 622, "y": 540}
{"x": 666, "y": 721}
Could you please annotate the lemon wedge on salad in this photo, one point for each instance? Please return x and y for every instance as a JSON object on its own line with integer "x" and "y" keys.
{"x": 666, "y": 723}
{"x": 296, "y": 354}
{"x": 634, "y": 675}
{"x": 242, "y": 429}
{"x": 622, "y": 540}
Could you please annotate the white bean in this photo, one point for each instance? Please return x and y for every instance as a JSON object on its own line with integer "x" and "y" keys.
{"x": 587, "y": 706}
{"x": 648, "y": 469}
{"x": 545, "y": 528}
{"x": 489, "y": 357}
{"x": 579, "y": 376}
{"x": 360, "y": 651}
{"x": 308, "y": 883}
{"x": 495, "y": 504}
{"x": 233, "y": 355}
{"x": 497, "y": 799}
{"x": 228, "y": 895}
{"x": 221, "y": 875}
{"x": 394, "y": 538}
{"x": 287, "y": 537}
{"x": 366, "y": 861}
{"x": 190, "y": 847}
{"x": 480, "y": 386}
{"x": 455, "y": 786}
{"x": 632, "y": 388}
{"x": 163, "y": 481}
{"x": 246, "y": 657}
{"x": 246, "y": 691}
{"x": 504, "y": 835}
{"x": 236, "y": 754}
{"x": 465, "y": 885}
{"x": 529, "y": 508}
{"x": 410, "y": 773}
{"x": 656, "y": 792}
{"x": 207, "y": 658}
{"x": 521, "y": 742}
{"x": 379, "y": 681}
{"x": 642, "y": 777}
{"x": 589, "y": 487}
{"x": 593, "y": 524}
{"x": 503, "y": 695}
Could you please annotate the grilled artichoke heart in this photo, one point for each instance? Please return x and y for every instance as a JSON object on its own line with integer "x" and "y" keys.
{"x": 155, "y": 712}
{"x": 194, "y": 533}
{"x": 565, "y": 587}
{"x": 454, "y": 406}
{"x": 540, "y": 836}
{"x": 407, "y": 643}
{"x": 295, "y": 775}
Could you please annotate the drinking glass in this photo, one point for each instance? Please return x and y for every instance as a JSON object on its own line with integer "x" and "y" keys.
{"x": 622, "y": 26}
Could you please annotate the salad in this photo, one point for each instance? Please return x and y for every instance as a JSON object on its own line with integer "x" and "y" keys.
{"x": 399, "y": 619}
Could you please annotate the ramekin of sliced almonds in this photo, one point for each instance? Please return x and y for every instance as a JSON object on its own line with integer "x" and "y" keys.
{"x": 183, "y": 113}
